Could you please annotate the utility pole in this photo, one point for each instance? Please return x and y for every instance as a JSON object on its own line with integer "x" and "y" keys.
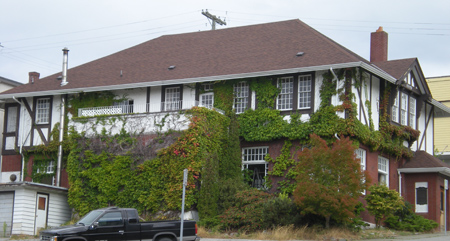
{"x": 214, "y": 19}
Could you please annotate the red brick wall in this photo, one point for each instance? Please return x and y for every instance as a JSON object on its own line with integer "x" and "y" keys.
{"x": 435, "y": 183}
{"x": 11, "y": 163}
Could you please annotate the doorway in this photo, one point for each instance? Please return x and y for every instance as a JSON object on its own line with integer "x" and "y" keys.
{"x": 41, "y": 212}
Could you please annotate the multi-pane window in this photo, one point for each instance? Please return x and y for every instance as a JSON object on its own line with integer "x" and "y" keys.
{"x": 412, "y": 112}
{"x": 241, "y": 94}
{"x": 304, "y": 91}
{"x": 208, "y": 87}
{"x": 361, "y": 155}
{"x": 49, "y": 168}
{"x": 253, "y": 161}
{"x": 286, "y": 86}
{"x": 403, "y": 108}
{"x": 172, "y": 98}
{"x": 421, "y": 197}
{"x": 207, "y": 100}
{"x": 395, "y": 109}
{"x": 383, "y": 171}
{"x": 42, "y": 111}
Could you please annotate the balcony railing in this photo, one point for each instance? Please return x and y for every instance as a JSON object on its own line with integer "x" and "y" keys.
{"x": 143, "y": 108}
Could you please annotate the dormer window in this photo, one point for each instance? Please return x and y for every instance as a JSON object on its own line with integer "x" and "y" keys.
{"x": 404, "y": 109}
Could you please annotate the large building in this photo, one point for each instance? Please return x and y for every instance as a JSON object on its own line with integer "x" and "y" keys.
{"x": 162, "y": 77}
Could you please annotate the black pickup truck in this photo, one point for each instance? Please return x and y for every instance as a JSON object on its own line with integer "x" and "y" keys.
{"x": 120, "y": 224}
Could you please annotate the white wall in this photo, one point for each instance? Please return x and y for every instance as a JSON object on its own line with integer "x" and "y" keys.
{"x": 24, "y": 212}
{"x": 59, "y": 211}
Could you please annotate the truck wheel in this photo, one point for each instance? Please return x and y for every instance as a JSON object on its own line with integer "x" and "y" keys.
{"x": 165, "y": 239}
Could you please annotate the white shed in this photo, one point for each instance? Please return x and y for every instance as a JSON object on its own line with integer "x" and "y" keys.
{"x": 27, "y": 207}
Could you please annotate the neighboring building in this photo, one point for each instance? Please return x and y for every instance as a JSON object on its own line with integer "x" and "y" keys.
{"x": 5, "y": 84}
{"x": 27, "y": 207}
{"x": 440, "y": 88}
{"x": 176, "y": 72}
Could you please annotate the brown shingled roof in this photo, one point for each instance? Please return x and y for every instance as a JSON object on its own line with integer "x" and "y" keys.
{"x": 396, "y": 68}
{"x": 248, "y": 49}
{"x": 422, "y": 159}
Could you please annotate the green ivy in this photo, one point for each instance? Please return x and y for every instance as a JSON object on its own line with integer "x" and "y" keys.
{"x": 101, "y": 174}
{"x": 92, "y": 99}
{"x": 283, "y": 167}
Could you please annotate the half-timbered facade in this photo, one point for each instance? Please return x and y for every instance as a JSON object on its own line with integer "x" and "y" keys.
{"x": 158, "y": 78}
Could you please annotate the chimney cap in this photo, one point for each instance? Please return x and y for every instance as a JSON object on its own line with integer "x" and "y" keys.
{"x": 380, "y": 29}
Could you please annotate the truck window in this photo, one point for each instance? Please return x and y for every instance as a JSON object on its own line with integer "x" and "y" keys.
{"x": 111, "y": 219}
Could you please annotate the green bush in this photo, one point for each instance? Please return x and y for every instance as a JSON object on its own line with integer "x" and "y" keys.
{"x": 227, "y": 193}
{"x": 405, "y": 219}
{"x": 247, "y": 212}
{"x": 382, "y": 202}
{"x": 280, "y": 211}
{"x": 210, "y": 223}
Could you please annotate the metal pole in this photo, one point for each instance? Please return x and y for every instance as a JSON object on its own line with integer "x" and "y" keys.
{"x": 185, "y": 176}
{"x": 445, "y": 205}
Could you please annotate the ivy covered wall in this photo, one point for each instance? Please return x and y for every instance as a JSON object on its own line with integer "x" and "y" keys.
{"x": 130, "y": 169}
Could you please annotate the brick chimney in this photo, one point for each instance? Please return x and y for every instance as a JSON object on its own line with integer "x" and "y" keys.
{"x": 33, "y": 76}
{"x": 379, "y": 46}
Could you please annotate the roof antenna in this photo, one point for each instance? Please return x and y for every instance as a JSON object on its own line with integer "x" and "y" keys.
{"x": 214, "y": 19}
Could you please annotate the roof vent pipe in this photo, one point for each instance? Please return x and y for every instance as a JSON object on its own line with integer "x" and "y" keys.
{"x": 64, "y": 70}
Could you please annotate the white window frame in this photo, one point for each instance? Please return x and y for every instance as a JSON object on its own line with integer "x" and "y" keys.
{"x": 304, "y": 91}
{"x": 395, "y": 106}
{"x": 285, "y": 98}
{"x": 412, "y": 112}
{"x": 172, "y": 98}
{"x": 383, "y": 169}
{"x": 361, "y": 155}
{"x": 208, "y": 87}
{"x": 241, "y": 93}
{"x": 42, "y": 110}
{"x": 255, "y": 156}
{"x": 404, "y": 109}
{"x": 11, "y": 121}
{"x": 50, "y": 168}
{"x": 421, "y": 208}
{"x": 206, "y": 100}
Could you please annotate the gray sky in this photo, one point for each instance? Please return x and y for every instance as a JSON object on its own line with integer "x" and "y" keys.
{"x": 33, "y": 33}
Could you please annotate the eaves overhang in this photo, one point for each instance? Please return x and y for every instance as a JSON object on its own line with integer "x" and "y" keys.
{"x": 441, "y": 109}
{"x": 442, "y": 170}
{"x": 364, "y": 65}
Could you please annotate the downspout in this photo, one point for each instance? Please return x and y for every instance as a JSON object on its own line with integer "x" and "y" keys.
{"x": 62, "y": 119}
{"x": 399, "y": 182}
{"x": 21, "y": 137}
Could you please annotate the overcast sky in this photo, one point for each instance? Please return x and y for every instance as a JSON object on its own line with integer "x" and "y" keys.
{"x": 33, "y": 33}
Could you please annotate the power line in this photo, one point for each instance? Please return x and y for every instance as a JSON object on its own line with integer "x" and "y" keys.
{"x": 101, "y": 28}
